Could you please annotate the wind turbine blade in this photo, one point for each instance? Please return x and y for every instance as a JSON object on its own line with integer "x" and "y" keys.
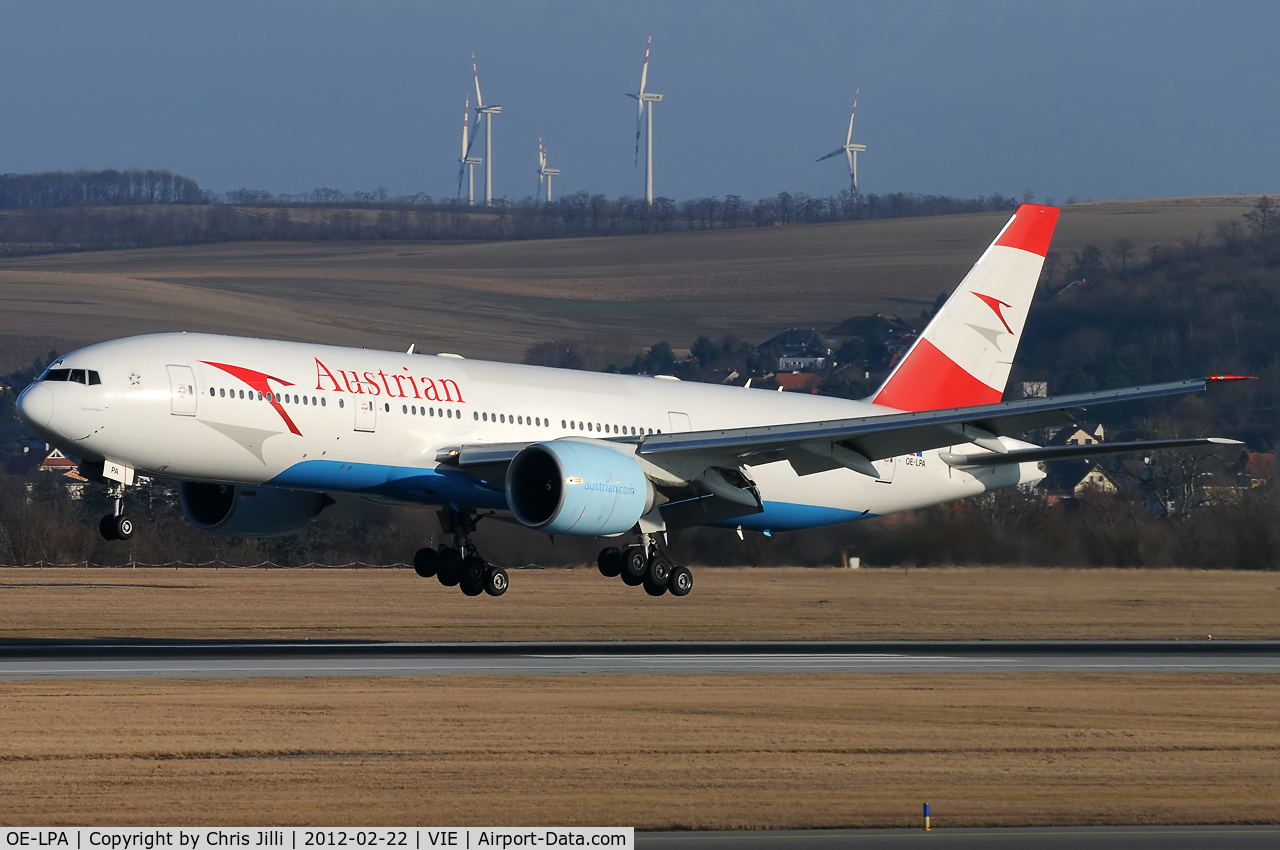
{"x": 853, "y": 165}
{"x": 639, "y": 120}
{"x": 466, "y": 116}
{"x": 644, "y": 69}
{"x": 472, "y": 142}
{"x": 849, "y": 138}
{"x": 835, "y": 152}
{"x": 476, "y": 72}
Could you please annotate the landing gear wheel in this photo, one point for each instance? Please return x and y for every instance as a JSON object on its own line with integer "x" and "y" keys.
{"x": 497, "y": 582}
{"x": 681, "y": 581}
{"x": 107, "y": 527}
{"x": 610, "y": 562}
{"x": 635, "y": 565}
{"x": 654, "y": 589}
{"x": 122, "y": 527}
{"x": 426, "y": 562}
{"x": 659, "y": 570}
{"x": 475, "y": 573}
{"x": 449, "y": 568}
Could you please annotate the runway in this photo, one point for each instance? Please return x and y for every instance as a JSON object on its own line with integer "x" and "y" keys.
{"x": 1092, "y": 837}
{"x": 58, "y": 659}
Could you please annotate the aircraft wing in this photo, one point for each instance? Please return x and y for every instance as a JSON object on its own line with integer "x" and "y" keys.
{"x": 855, "y": 442}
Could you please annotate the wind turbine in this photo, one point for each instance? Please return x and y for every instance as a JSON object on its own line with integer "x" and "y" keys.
{"x": 543, "y": 171}
{"x": 642, "y": 97}
{"x": 486, "y": 113}
{"x": 850, "y": 150}
{"x": 467, "y": 163}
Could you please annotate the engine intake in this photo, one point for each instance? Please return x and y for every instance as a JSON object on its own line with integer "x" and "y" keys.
{"x": 239, "y": 511}
{"x": 578, "y": 488}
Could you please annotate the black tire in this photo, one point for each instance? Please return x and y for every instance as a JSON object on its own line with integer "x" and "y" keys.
{"x": 470, "y": 588}
{"x": 635, "y": 565}
{"x": 449, "y": 568}
{"x": 122, "y": 527}
{"x": 610, "y": 562}
{"x": 107, "y": 527}
{"x": 659, "y": 569}
{"x": 654, "y": 589}
{"x": 474, "y": 569}
{"x": 497, "y": 582}
{"x": 681, "y": 581}
{"x": 426, "y": 562}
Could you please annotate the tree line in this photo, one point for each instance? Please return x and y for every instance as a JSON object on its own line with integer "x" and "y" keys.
{"x": 104, "y": 210}
{"x": 97, "y": 188}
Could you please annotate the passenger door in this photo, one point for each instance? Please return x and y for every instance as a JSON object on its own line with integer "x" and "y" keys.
{"x": 366, "y": 414}
{"x": 182, "y": 387}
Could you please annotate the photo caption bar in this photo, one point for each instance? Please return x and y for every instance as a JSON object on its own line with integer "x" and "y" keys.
{"x": 305, "y": 838}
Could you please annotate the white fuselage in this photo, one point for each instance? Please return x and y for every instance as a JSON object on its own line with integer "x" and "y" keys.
{"x": 340, "y": 420}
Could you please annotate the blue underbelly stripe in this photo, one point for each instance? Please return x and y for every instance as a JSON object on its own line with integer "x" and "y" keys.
{"x": 450, "y": 486}
{"x": 410, "y": 484}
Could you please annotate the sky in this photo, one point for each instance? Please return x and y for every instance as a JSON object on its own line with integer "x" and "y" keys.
{"x": 1084, "y": 100}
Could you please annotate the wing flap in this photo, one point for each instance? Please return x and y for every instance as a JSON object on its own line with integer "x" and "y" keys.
{"x": 1052, "y": 453}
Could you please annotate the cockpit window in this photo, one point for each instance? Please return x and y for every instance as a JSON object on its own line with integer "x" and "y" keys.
{"x": 78, "y": 376}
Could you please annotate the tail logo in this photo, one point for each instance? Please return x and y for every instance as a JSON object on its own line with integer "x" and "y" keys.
{"x": 995, "y": 304}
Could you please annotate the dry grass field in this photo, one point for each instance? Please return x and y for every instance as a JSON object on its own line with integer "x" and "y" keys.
{"x": 653, "y": 752}
{"x": 726, "y": 604}
{"x": 495, "y": 299}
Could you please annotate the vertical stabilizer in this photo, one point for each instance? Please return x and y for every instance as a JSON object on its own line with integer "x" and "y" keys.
{"x": 964, "y": 355}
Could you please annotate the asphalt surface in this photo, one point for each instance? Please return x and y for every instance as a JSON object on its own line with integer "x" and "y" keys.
{"x": 57, "y": 659}
{"x": 1090, "y": 837}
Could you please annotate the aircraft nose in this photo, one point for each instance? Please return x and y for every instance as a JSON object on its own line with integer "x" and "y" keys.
{"x": 35, "y": 406}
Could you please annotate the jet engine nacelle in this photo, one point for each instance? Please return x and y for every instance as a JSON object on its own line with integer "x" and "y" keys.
{"x": 577, "y": 487}
{"x": 240, "y": 511}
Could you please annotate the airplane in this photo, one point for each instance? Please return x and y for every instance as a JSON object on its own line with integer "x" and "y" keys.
{"x": 261, "y": 434}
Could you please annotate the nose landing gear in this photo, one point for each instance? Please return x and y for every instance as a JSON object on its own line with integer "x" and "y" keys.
{"x": 643, "y": 564}
{"x": 460, "y": 564}
{"x": 115, "y": 525}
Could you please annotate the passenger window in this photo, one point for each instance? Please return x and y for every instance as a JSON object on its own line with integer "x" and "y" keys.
{"x": 222, "y": 393}
{"x": 212, "y": 391}
{"x": 341, "y": 403}
{"x": 323, "y": 403}
{"x": 387, "y": 408}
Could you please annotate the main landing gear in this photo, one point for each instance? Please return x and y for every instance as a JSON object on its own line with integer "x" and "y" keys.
{"x": 644, "y": 565}
{"x": 115, "y": 525}
{"x": 459, "y": 564}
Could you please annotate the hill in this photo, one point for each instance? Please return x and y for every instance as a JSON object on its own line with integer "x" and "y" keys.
{"x": 494, "y": 299}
